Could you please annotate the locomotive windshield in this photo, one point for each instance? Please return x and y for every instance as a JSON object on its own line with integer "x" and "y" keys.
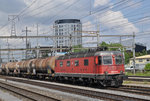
{"x": 107, "y": 60}
{"x": 118, "y": 59}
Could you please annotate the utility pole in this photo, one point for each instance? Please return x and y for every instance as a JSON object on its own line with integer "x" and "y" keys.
{"x": 37, "y": 52}
{"x": 12, "y": 19}
{"x": 0, "y": 56}
{"x": 122, "y": 49}
{"x": 133, "y": 45}
{"x": 90, "y": 7}
{"x": 26, "y": 31}
{"x": 22, "y": 55}
{"x": 71, "y": 42}
{"x": 8, "y": 51}
{"x": 98, "y": 32}
{"x": 12, "y": 57}
{"x": 120, "y": 40}
{"x": 0, "y": 52}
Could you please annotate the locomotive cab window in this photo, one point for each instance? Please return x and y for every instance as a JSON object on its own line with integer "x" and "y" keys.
{"x": 61, "y": 64}
{"x": 86, "y": 62}
{"x": 118, "y": 59}
{"x": 107, "y": 60}
{"x": 76, "y": 62}
{"x": 68, "y": 63}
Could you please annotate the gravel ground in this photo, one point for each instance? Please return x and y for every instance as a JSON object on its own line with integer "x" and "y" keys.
{"x": 71, "y": 97}
{"x": 101, "y": 90}
{"x": 63, "y": 96}
{"x": 4, "y": 96}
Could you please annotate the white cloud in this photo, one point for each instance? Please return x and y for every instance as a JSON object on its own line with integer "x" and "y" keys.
{"x": 117, "y": 22}
{"x": 100, "y": 2}
{"x": 88, "y": 26}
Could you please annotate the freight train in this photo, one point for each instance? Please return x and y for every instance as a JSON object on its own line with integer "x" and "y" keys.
{"x": 105, "y": 68}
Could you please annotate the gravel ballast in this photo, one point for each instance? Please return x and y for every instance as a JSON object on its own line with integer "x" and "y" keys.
{"x": 4, "y": 96}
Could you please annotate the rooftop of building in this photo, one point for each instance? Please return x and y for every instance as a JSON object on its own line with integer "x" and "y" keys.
{"x": 143, "y": 57}
{"x": 67, "y": 21}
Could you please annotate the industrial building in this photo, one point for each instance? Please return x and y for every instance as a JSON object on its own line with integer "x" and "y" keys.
{"x": 140, "y": 62}
{"x": 68, "y": 27}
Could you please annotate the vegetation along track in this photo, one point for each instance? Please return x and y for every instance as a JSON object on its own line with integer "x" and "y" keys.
{"x": 80, "y": 91}
{"x": 140, "y": 76}
{"x": 31, "y": 95}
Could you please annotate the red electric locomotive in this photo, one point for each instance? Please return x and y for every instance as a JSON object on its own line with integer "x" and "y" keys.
{"x": 91, "y": 67}
{"x": 102, "y": 67}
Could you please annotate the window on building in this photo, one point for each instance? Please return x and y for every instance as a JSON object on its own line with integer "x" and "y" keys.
{"x": 76, "y": 62}
{"x": 68, "y": 63}
{"x": 107, "y": 60}
{"x": 86, "y": 62}
{"x": 148, "y": 59}
{"x": 140, "y": 60}
{"x": 61, "y": 64}
{"x": 118, "y": 59}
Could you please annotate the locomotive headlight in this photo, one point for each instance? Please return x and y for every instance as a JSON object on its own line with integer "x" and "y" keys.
{"x": 121, "y": 72}
{"x": 105, "y": 72}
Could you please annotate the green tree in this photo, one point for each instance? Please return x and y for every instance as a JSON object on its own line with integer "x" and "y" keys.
{"x": 77, "y": 50}
{"x": 147, "y": 67}
{"x": 148, "y": 52}
{"x": 117, "y": 46}
{"x": 110, "y": 46}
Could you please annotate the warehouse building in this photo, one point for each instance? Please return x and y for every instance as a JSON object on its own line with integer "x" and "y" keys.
{"x": 140, "y": 61}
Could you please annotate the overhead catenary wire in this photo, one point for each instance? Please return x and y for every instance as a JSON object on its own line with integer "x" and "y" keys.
{"x": 49, "y": 9}
{"x": 61, "y": 11}
{"x": 103, "y": 16}
{"x": 19, "y": 14}
{"x": 103, "y": 9}
{"x": 41, "y": 6}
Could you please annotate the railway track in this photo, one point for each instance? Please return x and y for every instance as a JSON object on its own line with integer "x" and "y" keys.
{"x": 84, "y": 92}
{"x": 30, "y": 95}
{"x": 134, "y": 89}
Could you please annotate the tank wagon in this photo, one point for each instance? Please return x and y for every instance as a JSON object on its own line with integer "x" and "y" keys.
{"x": 105, "y": 68}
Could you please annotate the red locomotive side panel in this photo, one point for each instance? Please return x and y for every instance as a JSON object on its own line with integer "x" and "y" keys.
{"x": 104, "y": 64}
{"x": 76, "y": 65}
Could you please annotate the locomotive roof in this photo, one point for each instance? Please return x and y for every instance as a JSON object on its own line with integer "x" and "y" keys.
{"x": 87, "y": 54}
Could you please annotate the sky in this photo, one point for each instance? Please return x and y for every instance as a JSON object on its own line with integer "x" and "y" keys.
{"x": 111, "y": 17}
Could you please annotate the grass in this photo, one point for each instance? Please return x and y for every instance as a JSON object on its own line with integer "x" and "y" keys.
{"x": 136, "y": 82}
{"x": 138, "y": 74}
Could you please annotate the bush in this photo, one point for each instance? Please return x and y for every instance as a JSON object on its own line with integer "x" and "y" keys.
{"x": 147, "y": 67}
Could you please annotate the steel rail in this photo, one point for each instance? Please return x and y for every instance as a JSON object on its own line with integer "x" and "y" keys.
{"x": 79, "y": 91}
{"x": 31, "y": 95}
{"x": 133, "y": 89}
